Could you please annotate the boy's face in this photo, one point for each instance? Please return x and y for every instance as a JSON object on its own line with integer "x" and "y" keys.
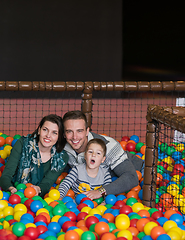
{"x": 94, "y": 156}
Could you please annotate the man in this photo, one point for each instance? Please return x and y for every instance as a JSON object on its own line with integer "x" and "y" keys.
{"x": 121, "y": 163}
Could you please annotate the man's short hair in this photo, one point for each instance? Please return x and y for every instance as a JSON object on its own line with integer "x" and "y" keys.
{"x": 74, "y": 115}
{"x": 99, "y": 142}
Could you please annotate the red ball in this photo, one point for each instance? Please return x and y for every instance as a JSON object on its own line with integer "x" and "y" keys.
{"x": 91, "y": 220}
{"x": 85, "y": 198}
{"x": 130, "y": 147}
{"x": 71, "y": 215}
{"x": 67, "y": 225}
{"x": 31, "y": 232}
{"x": 28, "y": 202}
{"x": 125, "y": 138}
{"x": 24, "y": 238}
{"x": 126, "y": 209}
{"x": 120, "y": 203}
{"x": 81, "y": 216}
{"x": 2, "y": 161}
{"x": 41, "y": 229}
{"x": 133, "y": 222}
{"x": 81, "y": 205}
{"x": 157, "y": 214}
{"x": 40, "y": 218}
{"x": 14, "y": 199}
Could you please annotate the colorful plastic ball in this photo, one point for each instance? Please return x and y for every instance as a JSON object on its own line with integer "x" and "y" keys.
{"x": 2, "y": 141}
{"x": 130, "y": 147}
{"x": 54, "y": 194}
{"x": 67, "y": 225}
{"x": 21, "y": 186}
{"x": 79, "y": 197}
{"x": 14, "y": 141}
{"x": 123, "y": 144}
{"x": 149, "y": 226}
{"x": 125, "y": 138}
{"x": 54, "y": 227}
{"x": 177, "y": 218}
{"x": 6, "y": 196}
{"x": 72, "y": 235}
{"x": 3, "y": 154}
{"x": 131, "y": 201}
{"x": 36, "y": 205}
{"x": 99, "y": 200}
{"x": 71, "y": 204}
{"x": 29, "y": 192}
{"x": 169, "y": 224}
{"x": 89, "y": 203}
{"x": 91, "y": 220}
{"x": 126, "y": 234}
{"x": 71, "y": 215}
{"x": 31, "y": 232}
{"x": 164, "y": 237}
{"x": 8, "y": 149}
{"x": 101, "y": 227}
{"x": 14, "y": 199}
{"x": 122, "y": 221}
{"x": 88, "y": 235}
{"x": 135, "y": 138}
{"x": 18, "y": 229}
{"x": 110, "y": 199}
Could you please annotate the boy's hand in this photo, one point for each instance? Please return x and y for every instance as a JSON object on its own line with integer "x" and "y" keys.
{"x": 94, "y": 194}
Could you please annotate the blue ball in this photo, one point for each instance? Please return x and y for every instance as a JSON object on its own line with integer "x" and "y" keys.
{"x": 176, "y": 217}
{"x": 67, "y": 199}
{"x": 28, "y": 216}
{"x": 108, "y": 210}
{"x": 70, "y": 204}
{"x": 110, "y": 199}
{"x": 63, "y": 219}
{"x": 135, "y": 138}
{"x": 5, "y": 196}
{"x": 89, "y": 203}
{"x": 115, "y": 212}
{"x": 14, "y": 141}
{"x": 79, "y": 197}
{"x": 140, "y": 194}
{"x": 54, "y": 227}
{"x": 164, "y": 237}
{"x": 103, "y": 220}
{"x": 36, "y": 205}
{"x": 41, "y": 223}
{"x": 147, "y": 238}
{"x": 71, "y": 228}
{"x": 162, "y": 220}
{"x": 121, "y": 197}
{"x": 114, "y": 178}
{"x": 176, "y": 156}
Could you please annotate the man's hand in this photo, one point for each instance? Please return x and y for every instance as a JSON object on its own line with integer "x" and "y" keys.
{"x": 94, "y": 194}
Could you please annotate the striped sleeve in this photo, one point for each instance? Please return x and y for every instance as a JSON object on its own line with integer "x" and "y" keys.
{"x": 107, "y": 178}
{"x": 67, "y": 183}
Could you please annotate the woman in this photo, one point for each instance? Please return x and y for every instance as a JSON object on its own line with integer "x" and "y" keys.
{"x": 38, "y": 158}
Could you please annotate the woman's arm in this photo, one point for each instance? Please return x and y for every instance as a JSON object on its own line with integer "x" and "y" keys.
{"x": 11, "y": 166}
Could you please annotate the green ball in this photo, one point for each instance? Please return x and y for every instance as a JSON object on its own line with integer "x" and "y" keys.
{"x": 152, "y": 210}
{"x": 160, "y": 169}
{"x": 157, "y": 198}
{"x": 138, "y": 146}
{"x": 1, "y": 220}
{"x": 59, "y": 210}
{"x": 141, "y": 235}
{"x": 108, "y": 206}
{"x": 1, "y": 226}
{"x": 133, "y": 153}
{"x": 131, "y": 201}
{"x": 183, "y": 153}
{"x": 4, "y": 136}
{"x": 88, "y": 235}
{"x": 9, "y": 217}
{"x": 99, "y": 200}
{"x": 112, "y": 226}
{"x": 135, "y": 216}
{"x": 162, "y": 189}
{"x": 17, "y": 136}
{"x": 21, "y": 194}
{"x": 92, "y": 227}
{"x": 163, "y": 147}
{"x": 170, "y": 150}
{"x": 21, "y": 186}
{"x": 51, "y": 238}
{"x": 23, "y": 199}
{"x": 18, "y": 229}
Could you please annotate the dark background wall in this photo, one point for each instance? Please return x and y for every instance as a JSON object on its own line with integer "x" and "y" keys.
{"x": 98, "y": 40}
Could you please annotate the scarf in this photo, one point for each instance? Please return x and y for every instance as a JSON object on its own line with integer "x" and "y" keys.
{"x": 30, "y": 167}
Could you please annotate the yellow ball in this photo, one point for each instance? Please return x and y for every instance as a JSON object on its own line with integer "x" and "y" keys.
{"x": 17, "y": 215}
{"x": 122, "y": 222}
{"x": 3, "y": 154}
{"x": 95, "y": 211}
{"x": 102, "y": 209}
{"x": 30, "y": 225}
{"x": 148, "y": 227}
{"x": 61, "y": 237}
{"x": 180, "y": 147}
{"x": 41, "y": 210}
{"x": 178, "y": 230}
{"x": 20, "y": 207}
{"x": 55, "y": 218}
{"x": 168, "y": 160}
{"x": 8, "y": 149}
{"x": 169, "y": 224}
{"x": 176, "y": 178}
{"x": 1, "y": 214}
{"x": 3, "y": 204}
{"x": 136, "y": 207}
{"x": 179, "y": 200}
{"x": 173, "y": 189}
{"x": 6, "y": 225}
{"x": 126, "y": 234}
{"x": 79, "y": 231}
{"x": 1, "y": 194}
{"x": 173, "y": 235}
{"x": 86, "y": 209}
{"x": 48, "y": 200}
{"x": 8, "y": 211}
{"x": 54, "y": 194}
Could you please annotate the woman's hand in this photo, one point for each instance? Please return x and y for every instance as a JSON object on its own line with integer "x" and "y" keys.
{"x": 93, "y": 194}
{"x": 12, "y": 189}
{"x": 37, "y": 189}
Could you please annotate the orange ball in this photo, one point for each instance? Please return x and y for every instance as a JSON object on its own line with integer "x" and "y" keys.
{"x": 72, "y": 235}
{"x": 64, "y": 174}
{"x": 81, "y": 223}
{"x": 168, "y": 213}
{"x": 108, "y": 236}
{"x": 166, "y": 199}
{"x": 70, "y": 193}
{"x": 143, "y": 213}
{"x": 156, "y": 232}
{"x": 101, "y": 227}
{"x": 123, "y": 144}
{"x": 136, "y": 189}
{"x": 9, "y": 140}
{"x": 141, "y": 224}
{"x": 159, "y": 178}
{"x": 134, "y": 231}
{"x": 109, "y": 216}
{"x": 47, "y": 216}
{"x": 139, "y": 175}
{"x": 133, "y": 194}
{"x": 28, "y": 184}
{"x": 29, "y": 192}
{"x": 59, "y": 179}
{"x": 2, "y": 141}
{"x": 142, "y": 149}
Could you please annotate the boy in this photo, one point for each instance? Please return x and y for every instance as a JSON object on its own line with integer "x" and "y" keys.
{"x": 88, "y": 176}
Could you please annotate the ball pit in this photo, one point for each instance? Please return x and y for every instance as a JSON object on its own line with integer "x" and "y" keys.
{"x": 24, "y": 216}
